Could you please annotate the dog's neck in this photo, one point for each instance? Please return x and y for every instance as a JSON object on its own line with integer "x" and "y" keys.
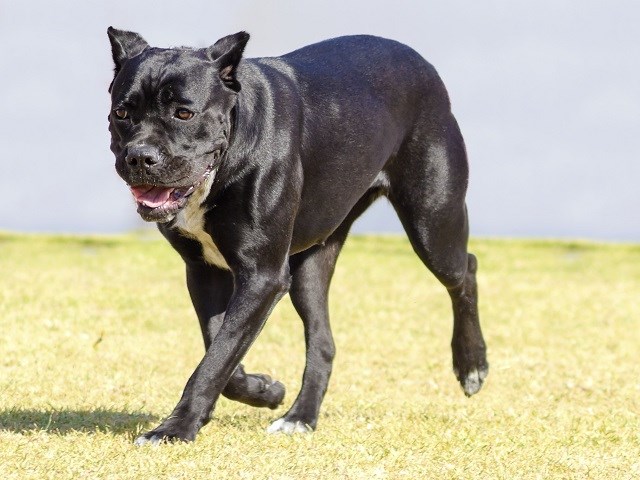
{"x": 191, "y": 223}
{"x": 233, "y": 118}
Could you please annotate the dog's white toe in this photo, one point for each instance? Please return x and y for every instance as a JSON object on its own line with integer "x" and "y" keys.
{"x": 142, "y": 440}
{"x": 473, "y": 381}
{"x": 284, "y": 426}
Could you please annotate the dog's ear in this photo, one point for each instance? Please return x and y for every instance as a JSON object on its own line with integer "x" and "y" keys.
{"x": 125, "y": 45}
{"x": 226, "y": 54}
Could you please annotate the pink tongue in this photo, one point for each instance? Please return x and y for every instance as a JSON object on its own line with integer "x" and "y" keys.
{"x": 151, "y": 196}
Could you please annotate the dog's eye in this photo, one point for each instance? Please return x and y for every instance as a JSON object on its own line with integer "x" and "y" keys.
{"x": 121, "y": 113}
{"x": 184, "y": 114}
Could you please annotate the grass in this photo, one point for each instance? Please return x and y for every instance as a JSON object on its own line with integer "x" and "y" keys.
{"x": 99, "y": 337}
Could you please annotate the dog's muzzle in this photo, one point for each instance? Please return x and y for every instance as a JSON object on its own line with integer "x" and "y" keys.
{"x": 161, "y": 202}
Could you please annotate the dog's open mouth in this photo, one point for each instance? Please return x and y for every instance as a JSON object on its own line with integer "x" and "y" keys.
{"x": 154, "y": 197}
{"x": 158, "y": 203}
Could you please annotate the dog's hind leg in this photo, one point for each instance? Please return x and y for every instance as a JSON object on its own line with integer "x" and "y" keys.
{"x": 311, "y": 273}
{"x": 210, "y": 289}
{"x": 428, "y": 184}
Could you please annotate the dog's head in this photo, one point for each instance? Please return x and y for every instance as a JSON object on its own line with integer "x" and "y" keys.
{"x": 170, "y": 117}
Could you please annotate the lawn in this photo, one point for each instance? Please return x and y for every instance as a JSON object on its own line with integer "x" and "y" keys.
{"x": 99, "y": 338}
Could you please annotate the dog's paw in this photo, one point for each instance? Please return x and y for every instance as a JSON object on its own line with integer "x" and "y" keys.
{"x": 153, "y": 440}
{"x": 165, "y": 434}
{"x": 289, "y": 427}
{"x": 257, "y": 390}
{"x": 471, "y": 381}
{"x": 272, "y": 393}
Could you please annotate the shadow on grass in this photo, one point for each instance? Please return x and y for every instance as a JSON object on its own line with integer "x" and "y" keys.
{"x": 62, "y": 422}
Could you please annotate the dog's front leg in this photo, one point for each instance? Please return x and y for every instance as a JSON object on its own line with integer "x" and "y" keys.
{"x": 256, "y": 294}
{"x": 210, "y": 289}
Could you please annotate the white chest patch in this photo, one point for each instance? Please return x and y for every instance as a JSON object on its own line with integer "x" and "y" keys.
{"x": 190, "y": 222}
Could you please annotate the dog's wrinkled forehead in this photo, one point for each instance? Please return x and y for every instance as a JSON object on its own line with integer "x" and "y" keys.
{"x": 206, "y": 71}
{"x": 182, "y": 73}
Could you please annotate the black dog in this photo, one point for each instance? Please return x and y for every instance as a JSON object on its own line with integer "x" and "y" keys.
{"x": 255, "y": 170}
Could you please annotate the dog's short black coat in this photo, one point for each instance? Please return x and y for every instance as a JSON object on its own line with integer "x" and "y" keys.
{"x": 255, "y": 169}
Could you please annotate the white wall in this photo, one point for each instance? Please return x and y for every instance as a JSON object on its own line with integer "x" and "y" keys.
{"x": 546, "y": 94}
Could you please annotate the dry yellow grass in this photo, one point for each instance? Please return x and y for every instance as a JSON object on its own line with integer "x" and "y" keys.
{"x": 99, "y": 337}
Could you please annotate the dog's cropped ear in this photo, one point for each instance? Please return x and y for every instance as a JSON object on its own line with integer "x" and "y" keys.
{"x": 125, "y": 45}
{"x": 226, "y": 54}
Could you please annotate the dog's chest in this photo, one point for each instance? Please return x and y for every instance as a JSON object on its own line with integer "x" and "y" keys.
{"x": 190, "y": 222}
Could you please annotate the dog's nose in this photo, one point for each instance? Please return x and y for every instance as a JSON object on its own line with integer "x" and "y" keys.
{"x": 140, "y": 156}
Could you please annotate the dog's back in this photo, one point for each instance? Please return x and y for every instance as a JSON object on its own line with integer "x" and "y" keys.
{"x": 360, "y": 79}
{"x": 353, "y": 104}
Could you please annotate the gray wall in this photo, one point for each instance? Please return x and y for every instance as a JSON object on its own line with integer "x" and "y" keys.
{"x": 546, "y": 93}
